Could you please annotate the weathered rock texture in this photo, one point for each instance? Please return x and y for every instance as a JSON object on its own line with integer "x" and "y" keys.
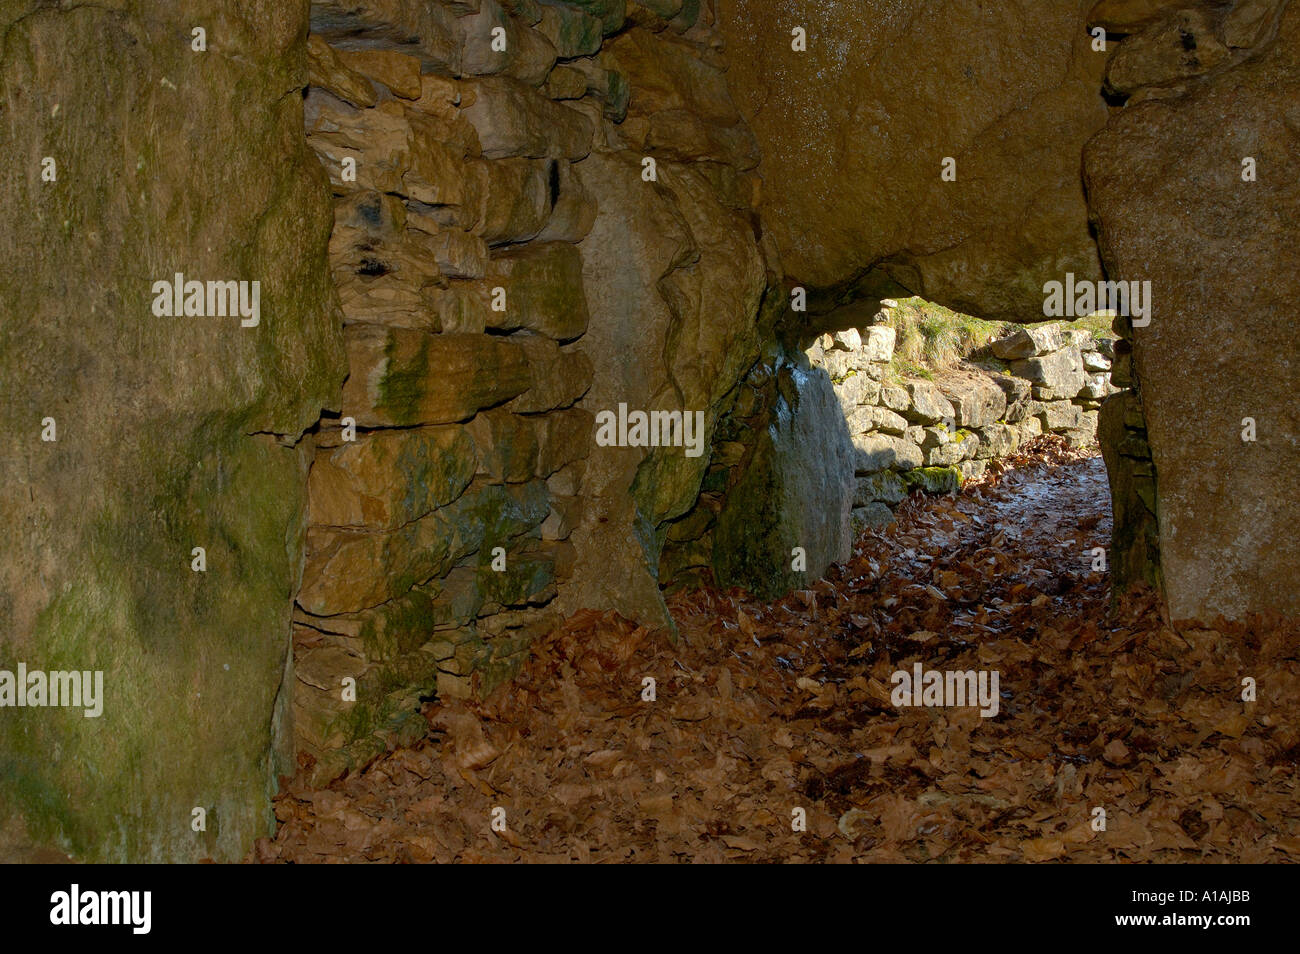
{"x": 509, "y": 268}
{"x": 675, "y": 278}
{"x": 168, "y": 160}
{"x": 786, "y": 518}
{"x": 527, "y": 237}
{"x": 808, "y": 458}
{"x": 853, "y": 134}
{"x": 1219, "y": 83}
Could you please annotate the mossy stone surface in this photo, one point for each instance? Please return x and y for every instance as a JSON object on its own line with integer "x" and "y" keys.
{"x": 934, "y": 480}
{"x": 796, "y": 493}
{"x": 169, "y": 160}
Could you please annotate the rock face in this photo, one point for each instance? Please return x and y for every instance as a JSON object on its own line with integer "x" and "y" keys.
{"x": 1222, "y": 258}
{"x": 509, "y": 271}
{"x": 674, "y": 277}
{"x": 854, "y": 133}
{"x": 789, "y": 498}
{"x": 165, "y": 160}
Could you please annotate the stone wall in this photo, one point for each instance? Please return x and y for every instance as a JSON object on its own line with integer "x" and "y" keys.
{"x": 526, "y": 234}
{"x": 932, "y": 434}
{"x": 825, "y": 443}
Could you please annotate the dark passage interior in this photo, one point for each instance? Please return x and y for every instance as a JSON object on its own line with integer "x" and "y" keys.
{"x": 614, "y": 469}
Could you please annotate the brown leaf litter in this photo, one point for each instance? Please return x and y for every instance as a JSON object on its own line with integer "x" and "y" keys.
{"x": 762, "y": 709}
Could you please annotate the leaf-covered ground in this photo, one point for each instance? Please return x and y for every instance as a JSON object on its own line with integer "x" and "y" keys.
{"x": 762, "y": 709}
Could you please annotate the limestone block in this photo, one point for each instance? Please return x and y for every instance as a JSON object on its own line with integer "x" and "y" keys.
{"x": 872, "y": 516}
{"x": 928, "y": 405}
{"x": 868, "y": 418}
{"x": 976, "y": 399}
{"x": 544, "y": 290}
{"x": 403, "y": 377}
{"x": 388, "y": 478}
{"x": 506, "y": 445}
{"x": 997, "y": 440}
{"x": 876, "y": 452}
{"x": 880, "y": 343}
{"x": 1055, "y": 376}
{"x": 514, "y": 120}
{"x": 399, "y": 72}
{"x": 556, "y": 377}
{"x": 884, "y": 487}
{"x": 326, "y": 69}
{"x": 1029, "y": 343}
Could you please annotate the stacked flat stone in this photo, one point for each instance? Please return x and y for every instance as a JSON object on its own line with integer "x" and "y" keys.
{"x": 932, "y": 435}
{"x": 485, "y": 159}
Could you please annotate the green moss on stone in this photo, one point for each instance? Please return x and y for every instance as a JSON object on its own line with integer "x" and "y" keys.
{"x": 156, "y": 418}
{"x": 525, "y": 577}
{"x": 934, "y": 480}
{"x": 405, "y": 383}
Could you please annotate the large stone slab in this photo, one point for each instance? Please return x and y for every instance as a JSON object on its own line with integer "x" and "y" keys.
{"x": 997, "y": 440}
{"x": 513, "y": 120}
{"x": 557, "y": 377}
{"x": 389, "y": 478}
{"x": 674, "y": 280}
{"x": 348, "y": 571}
{"x": 506, "y": 445}
{"x": 854, "y": 132}
{"x": 1056, "y": 376}
{"x": 789, "y": 498}
{"x": 1029, "y": 343}
{"x": 875, "y": 452}
{"x": 976, "y": 399}
{"x": 928, "y": 406}
{"x": 1223, "y": 261}
{"x": 544, "y": 293}
{"x": 167, "y": 161}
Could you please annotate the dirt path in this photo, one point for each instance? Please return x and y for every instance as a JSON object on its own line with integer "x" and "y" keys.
{"x": 768, "y": 713}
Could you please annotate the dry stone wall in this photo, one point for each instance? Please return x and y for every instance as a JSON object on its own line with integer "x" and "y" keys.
{"x": 543, "y": 214}
{"x": 931, "y": 435}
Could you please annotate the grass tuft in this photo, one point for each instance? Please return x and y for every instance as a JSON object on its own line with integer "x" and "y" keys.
{"x": 933, "y": 338}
